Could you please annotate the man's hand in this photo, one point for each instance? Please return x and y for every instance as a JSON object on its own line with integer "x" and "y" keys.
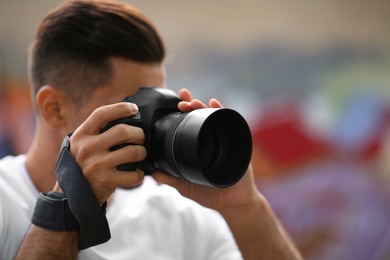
{"x": 91, "y": 149}
{"x": 242, "y": 194}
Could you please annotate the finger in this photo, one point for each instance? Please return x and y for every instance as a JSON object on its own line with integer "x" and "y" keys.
{"x": 108, "y": 160}
{"x": 185, "y": 95}
{"x": 180, "y": 184}
{"x": 128, "y": 179}
{"x": 197, "y": 104}
{"x": 121, "y": 134}
{"x": 166, "y": 179}
{"x": 185, "y": 106}
{"x": 126, "y": 154}
{"x": 106, "y": 184}
{"x": 105, "y": 114}
{"x": 215, "y": 103}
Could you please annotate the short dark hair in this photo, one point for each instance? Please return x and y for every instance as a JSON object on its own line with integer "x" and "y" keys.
{"x": 74, "y": 43}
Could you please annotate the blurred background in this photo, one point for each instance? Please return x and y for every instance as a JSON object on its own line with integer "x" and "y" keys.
{"x": 312, "y": 77}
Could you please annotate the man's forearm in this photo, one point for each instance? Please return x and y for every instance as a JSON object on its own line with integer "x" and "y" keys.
{"x": 41, "y": 243}
{"x": 259, "y": 233}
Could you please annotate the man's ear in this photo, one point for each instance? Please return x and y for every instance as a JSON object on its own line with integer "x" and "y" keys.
{"x": 53, "y": 106}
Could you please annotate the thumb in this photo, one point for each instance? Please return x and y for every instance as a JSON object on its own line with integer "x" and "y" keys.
{"x": 164, "y": 178}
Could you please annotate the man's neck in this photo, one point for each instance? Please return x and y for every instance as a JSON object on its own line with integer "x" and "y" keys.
{"x": 40, "y": 162}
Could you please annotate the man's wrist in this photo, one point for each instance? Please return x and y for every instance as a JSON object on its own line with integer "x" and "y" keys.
{"x": 257, "y": 202}
{"x": 52, "y": 244}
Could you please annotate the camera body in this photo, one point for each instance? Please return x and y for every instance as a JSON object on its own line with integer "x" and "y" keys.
{"x": 210, "y": 146}
{"x": 153, "y": 104}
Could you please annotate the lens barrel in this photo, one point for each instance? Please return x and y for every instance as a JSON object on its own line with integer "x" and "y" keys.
{"x": 210, "y": 146}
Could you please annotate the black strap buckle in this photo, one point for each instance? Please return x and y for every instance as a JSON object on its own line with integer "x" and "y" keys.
{"x": 52, "y": 212}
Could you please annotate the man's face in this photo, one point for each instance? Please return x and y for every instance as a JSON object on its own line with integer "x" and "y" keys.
{"x": 128, "y": 77}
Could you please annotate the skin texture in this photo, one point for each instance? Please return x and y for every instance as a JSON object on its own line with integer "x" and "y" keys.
{"x": 255, "y": 228}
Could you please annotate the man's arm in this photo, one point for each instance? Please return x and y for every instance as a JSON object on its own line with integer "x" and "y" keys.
{"x": 258, "y": 232}
{"x": 41, "y": 243}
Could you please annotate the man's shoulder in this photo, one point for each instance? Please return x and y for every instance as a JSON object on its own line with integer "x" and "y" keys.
{"x": 10, "y": 164}
{"x": 14, "y": 179}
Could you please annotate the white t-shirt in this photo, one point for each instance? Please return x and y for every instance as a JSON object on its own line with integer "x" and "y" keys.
{"x": 150, "y": 222}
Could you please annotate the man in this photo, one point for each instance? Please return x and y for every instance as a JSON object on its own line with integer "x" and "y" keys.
{"x": 86, "y": 58}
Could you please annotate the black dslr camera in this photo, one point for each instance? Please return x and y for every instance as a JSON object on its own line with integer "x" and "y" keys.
{"x": 210, "y": 146}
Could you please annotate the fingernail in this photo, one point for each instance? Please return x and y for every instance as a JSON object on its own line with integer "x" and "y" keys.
{"x": 133, "y": 107}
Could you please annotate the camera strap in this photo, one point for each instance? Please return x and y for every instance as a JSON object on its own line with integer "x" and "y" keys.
{"x": 52, "y": 212}
{"x": 82, "y": 201}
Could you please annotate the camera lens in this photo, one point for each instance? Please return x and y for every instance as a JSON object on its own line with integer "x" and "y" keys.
{"x": 210, "y": 146}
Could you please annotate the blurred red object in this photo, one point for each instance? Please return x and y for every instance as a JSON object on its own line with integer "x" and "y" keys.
{"x": 282, "y": 138}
